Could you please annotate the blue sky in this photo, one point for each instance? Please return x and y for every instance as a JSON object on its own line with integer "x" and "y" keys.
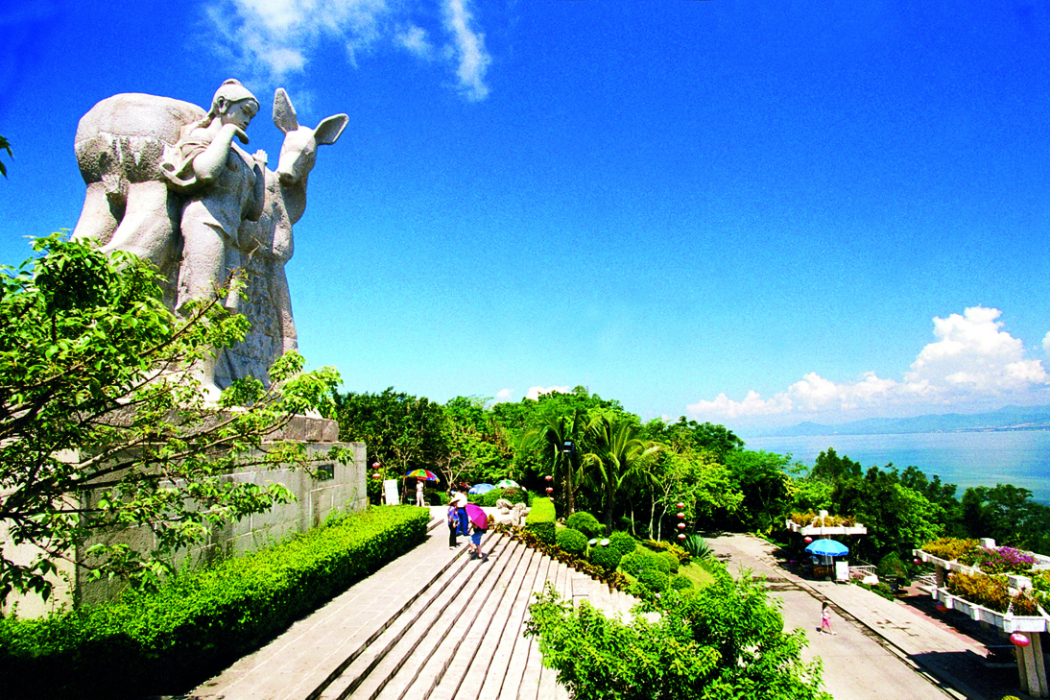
{"x": 749, "y": 213}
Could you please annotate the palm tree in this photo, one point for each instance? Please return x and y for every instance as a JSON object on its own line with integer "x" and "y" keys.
{"x": 618, "y": 453}
{"x": 556, "y": 432}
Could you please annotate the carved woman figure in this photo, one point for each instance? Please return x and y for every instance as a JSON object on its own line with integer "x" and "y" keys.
{"x": 224, "y": 186}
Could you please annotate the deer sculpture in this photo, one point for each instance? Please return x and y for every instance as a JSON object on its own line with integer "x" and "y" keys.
{"x": 267, "y": 244}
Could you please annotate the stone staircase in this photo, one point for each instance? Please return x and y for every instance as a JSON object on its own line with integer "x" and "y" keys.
{"x": 431, "y": 625}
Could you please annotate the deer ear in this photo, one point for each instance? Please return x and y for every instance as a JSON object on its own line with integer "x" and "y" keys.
{"x": 329, "y": 130}
{"x": 284, "y": 112}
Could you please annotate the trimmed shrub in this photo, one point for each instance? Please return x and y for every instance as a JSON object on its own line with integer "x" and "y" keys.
{"x": 672, "y": 561}
{"x": 572, "y": 541}
{"x": 606, "y": 557}
{"x": 540, "y": 519}
{"x": 660, "y": 546}
{"x": 623, "y": 542}
{"x": 891, "y": 566}
{"x": 655, "y": 581}
{"x": 681, "y": 583}
{"x": 194, "y": 625}
{"x": 586, "y": 523}
{"x": 643, "y": 560}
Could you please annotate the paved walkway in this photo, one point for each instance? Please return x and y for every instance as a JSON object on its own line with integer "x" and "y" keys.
{"x": 431, "y": 624}
{"x": 882, "y": 648}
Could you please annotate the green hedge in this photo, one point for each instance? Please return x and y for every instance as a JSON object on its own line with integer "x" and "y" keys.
{"x": 168, "y": 641}
{"x": 514, "y": 495}
{"x": 540, "y": 519}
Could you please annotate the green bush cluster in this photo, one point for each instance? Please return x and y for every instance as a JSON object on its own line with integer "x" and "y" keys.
{"x": 623, "y": 542}
{"x": 164, "y": 642}
{"x": 540, "y": 519}
{"x": 681, "y": 583}
{"x": 586, "y": 523}
{"x": 572, "y": 541}
{"x": 672, "y": 561}
{"x": 654, "y": 579}
{"x": 606, "y": 557}
{"x": 612, "y": 577}
{"x": 660, "y": 546}
{"x": 643, "y": 560}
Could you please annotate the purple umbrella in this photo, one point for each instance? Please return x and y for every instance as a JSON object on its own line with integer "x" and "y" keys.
{"x": 477, "y": 516}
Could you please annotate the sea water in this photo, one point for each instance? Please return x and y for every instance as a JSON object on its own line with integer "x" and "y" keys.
{"x": 1021, "y": 458}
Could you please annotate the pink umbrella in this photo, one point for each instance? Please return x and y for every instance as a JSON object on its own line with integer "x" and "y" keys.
{"x": 477, "y": 516}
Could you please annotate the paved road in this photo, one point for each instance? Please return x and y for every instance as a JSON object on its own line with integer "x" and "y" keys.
{"x": 859, "y": 664}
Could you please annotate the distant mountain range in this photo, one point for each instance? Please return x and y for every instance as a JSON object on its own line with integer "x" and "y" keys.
{"x": 1008, "y": 418}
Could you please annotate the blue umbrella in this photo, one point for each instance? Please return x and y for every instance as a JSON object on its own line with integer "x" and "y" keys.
{"x": 827, "y": 548}
{"x": 481, "y": 488}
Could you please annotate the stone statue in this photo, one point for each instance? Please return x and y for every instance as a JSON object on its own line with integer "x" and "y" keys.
{"x": 167, "y": 182}
{"x": 120, "y": 143}
{"x": 266, "y": 244}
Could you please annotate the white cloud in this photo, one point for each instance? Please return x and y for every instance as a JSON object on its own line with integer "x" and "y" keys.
{"x": 504, "y": 395}
{"x": 415, "y": 40}
{"x": 469, "y": 49}
{"x": 534, "y": 392}
{"x": 1046, "y": 343}
{"x": 972, "y": 359}
{"x": 269, "y": 40}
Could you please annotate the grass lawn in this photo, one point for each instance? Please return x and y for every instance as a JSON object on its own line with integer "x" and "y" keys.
{"x": 697, "y": 574}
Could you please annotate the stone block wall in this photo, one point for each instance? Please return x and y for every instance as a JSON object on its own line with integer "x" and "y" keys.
{"x": 333, "y": 487}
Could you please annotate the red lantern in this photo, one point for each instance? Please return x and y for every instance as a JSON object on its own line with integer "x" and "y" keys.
{"x": 549, "y": 477}
{"x": 681, "y": 526}
{"x": 1018, "y": 639}
{"x": 377, "y": 475}
{"x": 681, "y": 535}
{"x": 918, "y": 561}
{"x": 550, "y": 490}
{"x": 681, "y": 516}
{"x": 681, "y": 505}
{"x": 808, "y": 540}
{"x": 941, "y": 607}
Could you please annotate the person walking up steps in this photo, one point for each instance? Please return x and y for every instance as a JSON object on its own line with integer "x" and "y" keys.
{"x": 825, "y": 619}
{"x": 453, "y": 525}
{"x": 476, "y": 533}
{"x": 460, "y": 502}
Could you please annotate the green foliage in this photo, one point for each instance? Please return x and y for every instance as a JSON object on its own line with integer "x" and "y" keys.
{"x": 529, "y": 538}
{"x": 402, "y": 432}
{"x": 192, "y": 626}
{"x": 618, "y": 452}
{"x": 605, "y": 557}
{"x": 725, "y": 640}
{"x": 98, "y": 397}
{"x": 541, "y": 519}
{"x": 642, "y": 560}
{"x": 681, "y": 554}
{"x": 623, "y": 542}
{"x": 572, "y": 541}
{"x": 697, "y": 547}
{"x": 672, "y": 561}
{"x": 513, "y": 495}
{"x": 762, "y": 478}
{"x": 654, "y": 579}
{"x": 586, "y": 523}
{"x": 891, "y": 566}
{"x": 681, "y": 582}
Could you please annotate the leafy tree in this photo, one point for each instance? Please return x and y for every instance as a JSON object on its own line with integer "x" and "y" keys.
{"x": 688, "y": 434}
{"x": 476, "y": 449}
{"x": 401, "y": 431}
{"x": 696, "y": 479}
{"x": 724, "y": 641}
{"x": 762, "y": 478}
{"x": 561, "y": 435}
{"x": 104, "y": 427}
{"x": 618, "y": 452}
{"x": 830, "y": 467}
{"x": 1005, "y": 513}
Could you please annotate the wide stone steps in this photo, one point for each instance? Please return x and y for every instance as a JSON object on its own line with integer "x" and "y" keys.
{"x": 431, "y": 625}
